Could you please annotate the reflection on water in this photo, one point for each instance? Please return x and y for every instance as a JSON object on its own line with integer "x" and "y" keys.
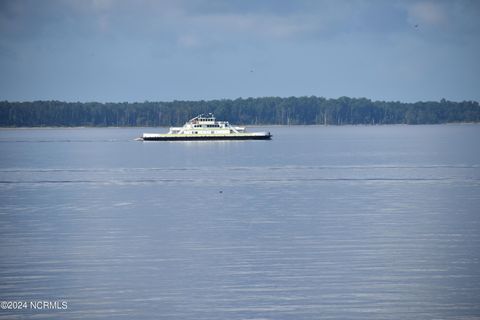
{"x": 320, "y": 222}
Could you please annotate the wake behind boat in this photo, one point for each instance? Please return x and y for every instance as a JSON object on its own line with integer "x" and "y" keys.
{"x": 205, "y": 127}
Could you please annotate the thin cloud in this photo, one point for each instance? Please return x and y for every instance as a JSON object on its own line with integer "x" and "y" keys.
{"x": 427, "y": 13}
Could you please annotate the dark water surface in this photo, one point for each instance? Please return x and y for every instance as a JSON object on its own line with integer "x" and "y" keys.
{"x": 367, "y": 222}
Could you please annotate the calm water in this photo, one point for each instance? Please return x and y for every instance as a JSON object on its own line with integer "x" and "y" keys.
{"x": 367, "y": 222}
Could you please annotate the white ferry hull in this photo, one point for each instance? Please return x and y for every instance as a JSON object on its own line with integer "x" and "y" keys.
{"x": 201, "y": 137}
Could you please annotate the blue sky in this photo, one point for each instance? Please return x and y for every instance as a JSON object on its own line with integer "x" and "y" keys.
{"x": 119, "y": 50}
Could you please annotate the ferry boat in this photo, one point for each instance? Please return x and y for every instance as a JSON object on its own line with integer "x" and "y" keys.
{"x": 206, "y": 127}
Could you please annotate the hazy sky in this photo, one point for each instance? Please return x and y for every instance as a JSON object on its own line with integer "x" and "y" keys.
{"x": 107, "y": 50}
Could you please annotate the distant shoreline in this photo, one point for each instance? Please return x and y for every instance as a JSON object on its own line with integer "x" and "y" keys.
{"x": 252, "y": 111}
{"x": 249, "y": 126}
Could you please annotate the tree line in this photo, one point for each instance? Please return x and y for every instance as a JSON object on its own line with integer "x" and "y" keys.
{"x": 251, "y": 111}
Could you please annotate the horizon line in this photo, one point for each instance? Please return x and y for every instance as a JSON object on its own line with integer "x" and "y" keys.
{"x": 233, "y": 99}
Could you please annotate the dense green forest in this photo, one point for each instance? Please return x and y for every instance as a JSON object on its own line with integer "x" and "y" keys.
{"x": 268, "y": 110}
